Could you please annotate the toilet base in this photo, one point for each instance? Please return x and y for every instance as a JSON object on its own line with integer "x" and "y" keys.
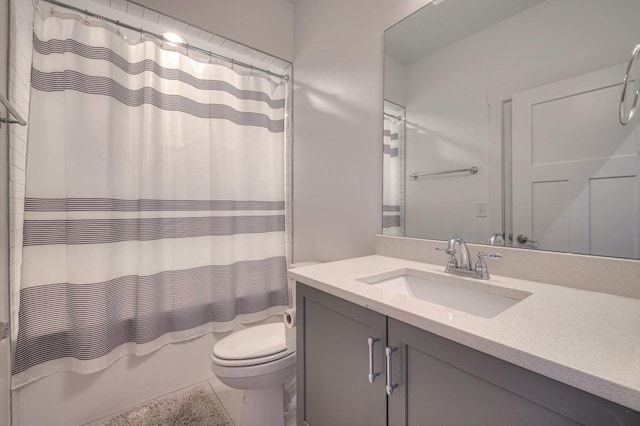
{"x": 263, "y": 407}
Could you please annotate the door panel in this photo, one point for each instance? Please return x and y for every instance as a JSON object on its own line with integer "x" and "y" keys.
{"x": 442, "y": 388}
{"x": 446, "y": 383}
{"x": 333, "y": 362}
{"x": 550, "y": 218}
{"x": 610, "y": 225}
{"x": 567, "y": 146}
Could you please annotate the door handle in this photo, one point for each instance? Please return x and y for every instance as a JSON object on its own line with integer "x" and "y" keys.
{"x": 390, "y": 386}
{"x": 372, "y": 375}
{"x": 523, "y": 239}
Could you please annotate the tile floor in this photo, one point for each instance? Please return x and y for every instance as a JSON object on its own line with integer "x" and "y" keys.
{"x": 231, "y": 400}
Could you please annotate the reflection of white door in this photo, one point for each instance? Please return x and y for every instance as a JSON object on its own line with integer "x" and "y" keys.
{"x": 576, "y": 170}
{"x": 5, "y": 411}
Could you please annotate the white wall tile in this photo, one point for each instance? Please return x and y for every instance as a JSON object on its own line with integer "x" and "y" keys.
{"x": 205, "y": 36}
{"x": 193, "y": 32}
{"x": 120, "y": 5}
{"x": 217, "y": 41}
{"x": 150, "y": 16}
{"x": 179, "y": 27}
{"x": 165, "y": 21}
{"x": 19, "y": 87}
{"x": 134, "y": 10}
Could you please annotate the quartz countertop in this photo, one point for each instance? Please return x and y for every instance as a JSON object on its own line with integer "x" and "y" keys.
{"x": 585, "y": 339}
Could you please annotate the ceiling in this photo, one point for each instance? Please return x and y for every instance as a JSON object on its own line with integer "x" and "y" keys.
{"x": 438, "y": 25}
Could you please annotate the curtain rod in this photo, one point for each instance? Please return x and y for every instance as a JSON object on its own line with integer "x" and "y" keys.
{"x": 88, "y": 13}
{"x": 394, "y": 116}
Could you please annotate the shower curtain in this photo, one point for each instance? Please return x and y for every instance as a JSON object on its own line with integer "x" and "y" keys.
{"x": 393, "y": 172}
{"x": 155, "y": 200}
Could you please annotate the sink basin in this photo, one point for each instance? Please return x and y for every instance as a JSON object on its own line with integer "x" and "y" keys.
{"x": 471, "y": 296}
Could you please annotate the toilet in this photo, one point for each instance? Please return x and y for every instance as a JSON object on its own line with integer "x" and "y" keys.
{"x": 257, "y": 361}
{"x": 261, "y": 360}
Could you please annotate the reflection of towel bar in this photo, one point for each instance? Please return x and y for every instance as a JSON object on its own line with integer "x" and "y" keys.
{"x": 473, "y": 170}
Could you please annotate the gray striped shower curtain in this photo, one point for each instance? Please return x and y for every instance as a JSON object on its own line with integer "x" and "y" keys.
{"x": 393, "y": 177}
{"x": 155, "y": 202}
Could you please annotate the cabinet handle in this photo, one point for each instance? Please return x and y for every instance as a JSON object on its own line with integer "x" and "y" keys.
{"x": 372, "y": 375}
{"x": 390, "y": 386}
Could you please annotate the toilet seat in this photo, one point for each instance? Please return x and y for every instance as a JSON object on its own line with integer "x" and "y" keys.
{"x": 252, "y": 346}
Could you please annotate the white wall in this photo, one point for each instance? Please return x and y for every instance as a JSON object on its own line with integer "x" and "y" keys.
{"x": 395, "y": 84}
{"x": 265, "y": 25}
{"x": 337, "y": 129}
{"x": 19, "y": 84}
{"x": 75, "y": 399}
{"x": 5, "y": 348}
{"x": 447, "y": 92}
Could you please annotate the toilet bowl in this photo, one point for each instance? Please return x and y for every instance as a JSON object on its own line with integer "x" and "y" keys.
{"x": 257, "y": 361}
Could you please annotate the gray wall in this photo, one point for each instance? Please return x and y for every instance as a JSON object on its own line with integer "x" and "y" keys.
{"x": 337, "y": 129}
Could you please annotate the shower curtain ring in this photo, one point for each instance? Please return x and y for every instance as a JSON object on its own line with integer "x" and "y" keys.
{"x": 209, "y": 56}
{"x": 118, "y": 28}
{"x": 141, "y": 35}
{"x": 187, "y": 43}
{"x": 86, "y": 17}
{"x": 52, "y": 7}
{"x": 252, "y": 70}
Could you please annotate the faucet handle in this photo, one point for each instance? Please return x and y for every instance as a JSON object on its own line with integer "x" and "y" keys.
{"x": 452, "y": 262}
{"x": 449, "y": 248}
{"x": 481, "y": 265}
{"x": 483, "y": 255}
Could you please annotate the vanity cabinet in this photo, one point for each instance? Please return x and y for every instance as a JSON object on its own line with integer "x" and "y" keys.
{"x": 332, "y": 346}
{"x": 435, "y": 381}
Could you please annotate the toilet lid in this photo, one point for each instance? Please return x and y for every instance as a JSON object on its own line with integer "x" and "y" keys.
{"x": 253, "y": 342}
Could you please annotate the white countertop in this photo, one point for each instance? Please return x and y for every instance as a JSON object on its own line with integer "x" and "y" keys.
{"x": 585, "y": 339}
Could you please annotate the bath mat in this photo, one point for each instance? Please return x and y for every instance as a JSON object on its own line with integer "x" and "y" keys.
{"x": 194, "y": 406}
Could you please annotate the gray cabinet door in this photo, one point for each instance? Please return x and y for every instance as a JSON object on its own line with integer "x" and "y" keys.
{"x": 444, "y": 383}
{"x": 333, "y": 387}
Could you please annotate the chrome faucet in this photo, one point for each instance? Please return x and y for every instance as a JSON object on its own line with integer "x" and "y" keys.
{"x": 464, "y": 266}
{"x": 496, "y": 239}
{"x": 464, "y": 252}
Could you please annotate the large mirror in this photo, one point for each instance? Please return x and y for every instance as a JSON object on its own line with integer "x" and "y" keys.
{"x": 502, "y": 119}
